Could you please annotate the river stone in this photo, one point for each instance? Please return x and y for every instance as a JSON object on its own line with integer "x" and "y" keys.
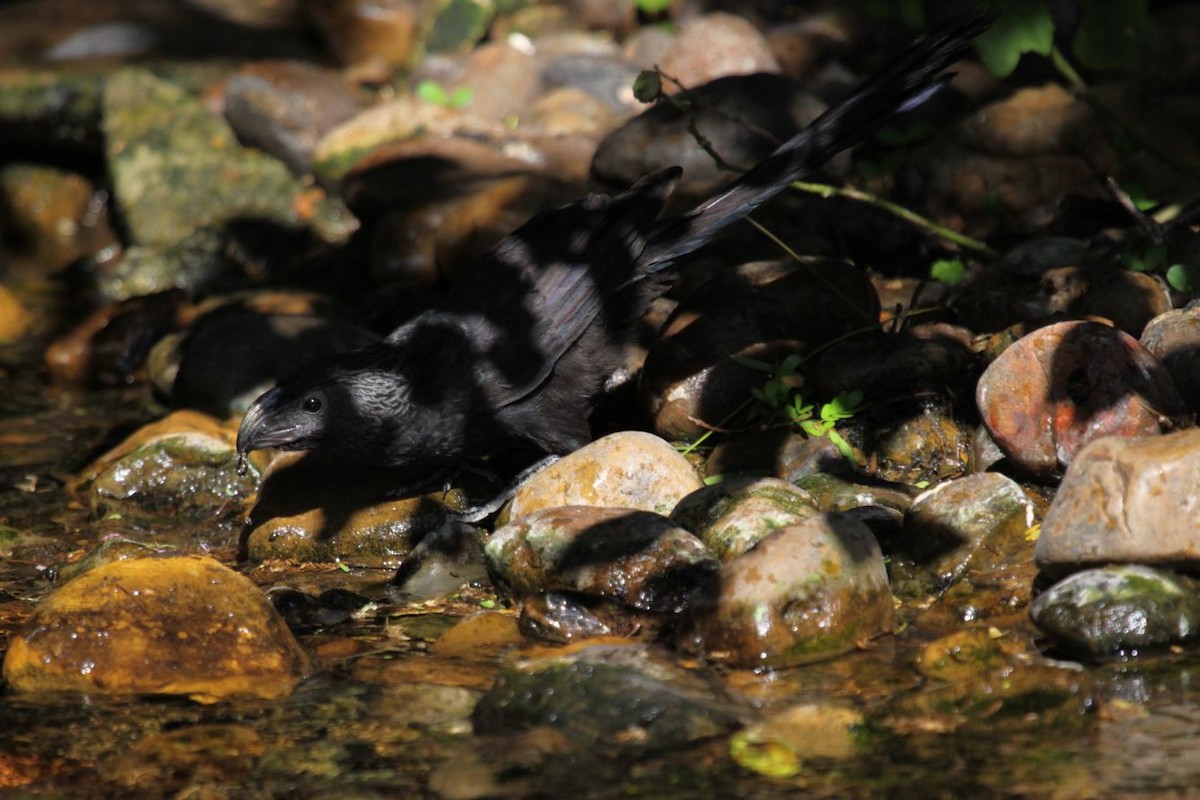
{"x": 556, "y": 617}
{"x": 732, "y": 516}
{"x": 970, "y": 525}
{"x": 309, "y": 511}
{"x": 634, "y": 557}
{"x": 927, "y": 446}
{"x": 51, "y": 216}
{"x": 1068, "y": 384}
{"x": 1126, "y": 501}
{"x": 1174, "y": 339}
{"x": 15, "y": 319}
{"x": 715, "y": 46}
{"x": 1119, "y": 609}
{"x": 285, "y": 107}
{"x": 628, "y": 697}
{"x": 183, "y": 466}
{"x": 158, "y": 138}
{"x": 628, "y": 469}
{"x": 808, "y": 591}
{"x": 178, "y": 625}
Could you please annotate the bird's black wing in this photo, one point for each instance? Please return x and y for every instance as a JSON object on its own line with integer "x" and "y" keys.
{"x": 532, "y": 296}
{"x": 905, "y": 83}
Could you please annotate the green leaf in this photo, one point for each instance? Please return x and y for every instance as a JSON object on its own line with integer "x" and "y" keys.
{"x": 752, "y": 363}
{"x": 788, "y": 365}
{"x": 844, "y": 406}
{"x": 1023, "y": 27}
{"x": 432, "y": 92}
{"x": 461, "y": 96}
{"x": 1113, "y": 33}
{"x": 1183, "y": 278}
{"x": 949, "y": 271}
{"x": 769, "y": 757}
{"x": 842, "y": 445}
{"x": 647, "y": 86}
{"x": 652, "y": 6}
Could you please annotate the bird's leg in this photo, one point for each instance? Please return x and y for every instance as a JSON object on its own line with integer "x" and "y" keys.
{"x": 477, "y": 512}
{"x": 442, "y": 477}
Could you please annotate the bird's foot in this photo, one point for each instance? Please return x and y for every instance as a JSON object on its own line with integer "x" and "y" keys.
{"x": 480, "y": 511}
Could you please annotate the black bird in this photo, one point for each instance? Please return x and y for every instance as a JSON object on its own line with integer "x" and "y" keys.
{"x": 519, "y": 350}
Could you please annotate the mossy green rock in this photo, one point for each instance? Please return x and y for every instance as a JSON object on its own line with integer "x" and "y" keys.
{"x": 1112, "y": 610}
{"x": 733, "y": 516}
{"x": 177, "y": 167}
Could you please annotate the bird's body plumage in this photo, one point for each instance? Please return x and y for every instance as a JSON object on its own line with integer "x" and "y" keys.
{"x": 519, "y": 350}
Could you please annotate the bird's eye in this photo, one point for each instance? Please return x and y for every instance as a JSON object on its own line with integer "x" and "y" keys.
{"x": 312, "y": 404}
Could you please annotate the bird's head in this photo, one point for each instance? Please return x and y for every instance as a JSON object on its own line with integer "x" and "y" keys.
{"x": 338, "y": 407}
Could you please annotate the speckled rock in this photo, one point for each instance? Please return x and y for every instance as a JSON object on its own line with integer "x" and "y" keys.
{"x": 309, "y": 511}
{"x": 732, "y": 516}
{"x": 183, "y": 466}
{"x": 629, "y": 469}
{"x": 1068, "y": 384}
{"x": 1121, "y": 609}
{"x": 807, "y": 592}
{"x": 1125, "y": 501}
{"x": 159, "y": 138}
{"x": 970, "y": 525}
{"x": 929, "y": 445}
{"x": 627, "y": 697}
{"x": 635, "y": 557}
{"x": 181, "y": 625}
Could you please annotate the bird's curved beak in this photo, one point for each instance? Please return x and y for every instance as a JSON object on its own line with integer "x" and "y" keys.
{"x": 264, "y": 427}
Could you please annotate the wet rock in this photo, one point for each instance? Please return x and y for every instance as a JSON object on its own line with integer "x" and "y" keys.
{"x": 801, "y": 46}
{"x": 779, "y": 746}
{"x": 837, "y": 493}
{"x": 158, "y": 138}
{"x": 628, "y": 469}
{"x": 1065, "y": 385}
{"x": 1174, "y": 339}
{"x": 1121, "y": 609}
{"x": 15, "y": 319}
{"x": 567, "y": 112}
{"x": 312, "y": 512}
{"x": 231, "y": 356}
{"x": 181, "y": 625}
{"x": 183, "y": 466}
{"x": 372, "y": 36}
{"x": 807, "y": 592}
{"x": 764, "y": 311}
{"x": 204, "y": 260}
{"x": 635, "y": 557}
{"x": 1051, "y": 277}
{"x": 459, "y": 25}
{"x": 558, "y": 618}
{"x": 918, "y": 449}
{"x": 781, "y": 452}
{"x": 986, "y": 687}
{"x": 733, "y": 516}
{"x": 744, "y": 118}
{"x": 965, "y": 526}
{"x": 443, "y": 561}
{"x": 111, "y": 344}
{"x": 626, "y": 697}
{"x": 285, "y": 107}
{"x": 51, "y": 216}
{"x": 715, "y": 46}
{"x": 619, "y": 16}
{"x": 1125, "y": 501}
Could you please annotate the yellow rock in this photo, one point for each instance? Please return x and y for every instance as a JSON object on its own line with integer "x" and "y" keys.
{"x": 14, "y": 319}
{"x": 178, "y": 625}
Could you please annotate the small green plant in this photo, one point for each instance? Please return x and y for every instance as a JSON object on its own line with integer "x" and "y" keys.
{"x": 652, "y": 6}
{"x": 434, "y": 93}
{"x": 779, "y": 400}
{"x": 949, "y": 271}
{"x": 1153, "y": 258}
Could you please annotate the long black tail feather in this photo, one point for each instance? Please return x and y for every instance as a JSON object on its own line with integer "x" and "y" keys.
{"x": 913, "y": 77}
